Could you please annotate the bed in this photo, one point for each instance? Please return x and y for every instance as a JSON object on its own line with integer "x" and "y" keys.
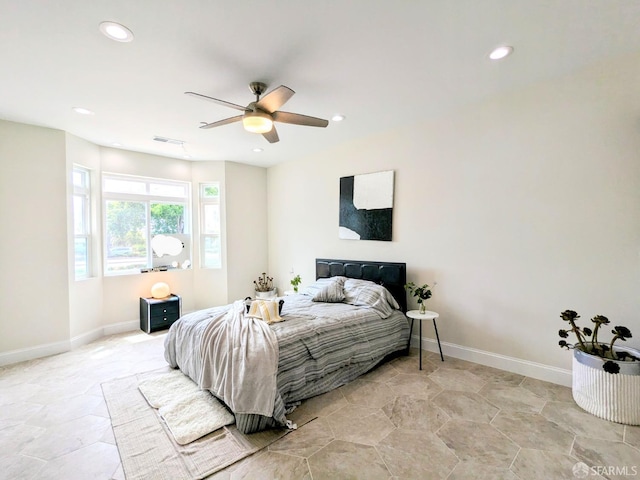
{"x": 341, "y": 326}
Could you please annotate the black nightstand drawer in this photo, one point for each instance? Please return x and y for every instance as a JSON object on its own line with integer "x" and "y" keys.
{"x": 164, "y": 309}
{"x": 159, "y": 313}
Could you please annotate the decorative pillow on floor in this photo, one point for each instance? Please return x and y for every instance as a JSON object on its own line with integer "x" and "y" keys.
{"x": 195, "y": 416}
{"x": 188, "y": 412}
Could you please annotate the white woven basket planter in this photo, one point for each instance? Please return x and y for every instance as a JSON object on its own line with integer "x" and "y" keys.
{"x": 612, "y": 396}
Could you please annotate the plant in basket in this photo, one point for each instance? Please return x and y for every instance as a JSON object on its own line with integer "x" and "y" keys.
{"x": 606, "y": 375}
{"x": 264, "y": 287}
{"x": 588, "y": 341}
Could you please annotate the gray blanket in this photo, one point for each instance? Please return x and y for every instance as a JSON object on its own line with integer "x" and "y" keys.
{"x": 233, "y": 356}
{"x": 240, "y": 362}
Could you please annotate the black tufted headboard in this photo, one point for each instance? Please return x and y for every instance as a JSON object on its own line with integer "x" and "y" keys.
{"x": 392, "y": 276}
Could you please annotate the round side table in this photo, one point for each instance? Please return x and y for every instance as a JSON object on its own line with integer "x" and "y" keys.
{"x": 428, "y": 315}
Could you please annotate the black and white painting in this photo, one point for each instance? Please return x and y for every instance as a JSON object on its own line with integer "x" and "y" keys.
{"x": 366, "y": 206}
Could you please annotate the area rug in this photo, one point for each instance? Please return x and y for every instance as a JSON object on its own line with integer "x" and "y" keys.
{"x": 148, "y": 450}
{"x": 188, "y": 412}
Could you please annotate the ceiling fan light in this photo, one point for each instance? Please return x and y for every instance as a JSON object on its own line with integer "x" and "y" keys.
{"x": 257, "y": 122}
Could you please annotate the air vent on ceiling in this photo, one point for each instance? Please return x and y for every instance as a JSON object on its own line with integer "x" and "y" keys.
{"x": 168, "y": 140}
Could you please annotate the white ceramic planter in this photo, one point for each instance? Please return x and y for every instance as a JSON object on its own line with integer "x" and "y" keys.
{"x": 612, "y": 396}
{"x": 266, "y": 295}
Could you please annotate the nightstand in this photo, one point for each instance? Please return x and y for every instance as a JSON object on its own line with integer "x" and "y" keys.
{"x": 416, "y": 315}
{"x": 159, "y": 313}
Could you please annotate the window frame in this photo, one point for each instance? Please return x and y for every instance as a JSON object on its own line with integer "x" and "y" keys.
{"x": 83, "y": 192}
{"x": 147, "y": 199}
{"x": 204, "y": 201}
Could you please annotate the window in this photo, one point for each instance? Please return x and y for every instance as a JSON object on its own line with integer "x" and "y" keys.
{"x": 210, "y": 251}
{"x": 81, "y": 179}
{"x": 136, "y": 209}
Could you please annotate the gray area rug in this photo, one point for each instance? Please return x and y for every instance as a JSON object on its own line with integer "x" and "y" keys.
{"x": 148, "y": 450}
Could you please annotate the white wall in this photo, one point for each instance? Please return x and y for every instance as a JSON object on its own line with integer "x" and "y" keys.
{"x": 520, "y": 207}
{"x": 246, "y": 227}
{"x": 33, "y": 238}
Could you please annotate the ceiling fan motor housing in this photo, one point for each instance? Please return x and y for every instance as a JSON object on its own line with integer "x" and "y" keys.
{"x": 258, "y": 88}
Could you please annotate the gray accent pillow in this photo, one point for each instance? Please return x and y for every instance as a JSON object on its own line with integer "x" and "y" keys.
{"x": 320, "y": 283}
{"x": 368, "y": 294}
{"x": 330, "y": 293}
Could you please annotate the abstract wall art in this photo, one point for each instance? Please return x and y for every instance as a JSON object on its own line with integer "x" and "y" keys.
{"x": 366, "y": 206}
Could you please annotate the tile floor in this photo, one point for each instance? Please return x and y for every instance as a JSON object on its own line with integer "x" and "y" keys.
{"x": 452, "y": 420}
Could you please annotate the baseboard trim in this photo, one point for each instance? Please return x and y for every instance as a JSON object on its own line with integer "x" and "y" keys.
{"x": 120, "y": 327}
{"x": 31, "y": 353}
{"x": 88, "y": 337}
{"x": 536, "y": 370}
{"x": 511, "y": 364}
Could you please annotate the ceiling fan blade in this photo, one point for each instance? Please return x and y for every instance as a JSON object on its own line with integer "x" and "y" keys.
{"x": 223, "y": 122}
{"x": 273, "y": 100}
{"x": 272, "y": 135}
{"x": 297, "y": 119}
{"x": 219, "y": 102}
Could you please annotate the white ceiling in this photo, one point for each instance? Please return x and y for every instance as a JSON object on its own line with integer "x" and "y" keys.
{"x": 381, "y": 63}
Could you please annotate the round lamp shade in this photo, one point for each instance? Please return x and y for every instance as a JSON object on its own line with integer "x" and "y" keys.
{"x": 160, "y": 290}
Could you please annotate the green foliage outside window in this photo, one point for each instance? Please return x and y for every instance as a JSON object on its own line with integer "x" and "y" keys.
{"x": 126, "y": 226}
{"x": 211, "y": 191}
{"x": 167, "y": 218}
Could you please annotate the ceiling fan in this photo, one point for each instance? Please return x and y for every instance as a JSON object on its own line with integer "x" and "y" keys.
{"x": 258, "y": 116}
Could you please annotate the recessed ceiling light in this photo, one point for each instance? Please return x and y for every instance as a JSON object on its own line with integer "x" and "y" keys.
{"x": 116, "y": 32}
{"x": 257, "y": 150}
{"x": 116, "y": 144}
{"x": 338, "y": 117}
{"x": 501, "y": 52}
{"x": 82, "y": 111}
